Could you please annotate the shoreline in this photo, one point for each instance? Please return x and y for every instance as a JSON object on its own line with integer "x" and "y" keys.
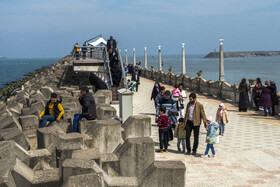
{"x": 236, "y": 54}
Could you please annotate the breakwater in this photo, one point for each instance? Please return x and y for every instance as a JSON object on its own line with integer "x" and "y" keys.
{"x": 105, "y": 152}
{"x": 243, "y": 54}
{"x": 198, "y": 84}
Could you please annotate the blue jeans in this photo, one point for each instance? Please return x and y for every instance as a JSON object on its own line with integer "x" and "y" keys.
{"x": 210, "y": 146}
{"x": 45, "y": 119}
{"x": 267, "y": 109}
{"x": 222, "y": 127}
{"x": 77, "y": 118}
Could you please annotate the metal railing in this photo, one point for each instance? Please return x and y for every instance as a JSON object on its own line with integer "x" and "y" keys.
{"x": 95, "y": 52}
{"x": 122, "y": 67}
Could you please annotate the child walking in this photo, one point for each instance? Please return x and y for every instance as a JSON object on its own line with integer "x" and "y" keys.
{"x": 163, "y": 130}
{"x": 212, "y": 137}
{"x": 222, "y": 118}
{"x": 180, "y": 106}
{"x": 180, "y": 133}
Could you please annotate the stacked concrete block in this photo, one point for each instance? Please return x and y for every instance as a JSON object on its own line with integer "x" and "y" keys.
{"x": 106, "y": 113}
{"x": 137, "y": 126}
{"x": 164, "y": 173}
{"x": 139, "y": 153}
{"x": 106, "y": 135}
{"x": 106, "y": 93}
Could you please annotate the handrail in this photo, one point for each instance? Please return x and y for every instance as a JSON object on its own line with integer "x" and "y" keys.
{"x": 107, "y": 68}
{"x": 123, "y": 71}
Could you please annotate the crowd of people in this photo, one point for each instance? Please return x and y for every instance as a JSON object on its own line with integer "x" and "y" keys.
{"x": 170, "y": 106}
{"x": 262, "y": 95}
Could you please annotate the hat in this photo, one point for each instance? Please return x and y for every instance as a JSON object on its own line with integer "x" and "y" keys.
{"x": 209, "y": 118}
{"x": 222, "y": 105}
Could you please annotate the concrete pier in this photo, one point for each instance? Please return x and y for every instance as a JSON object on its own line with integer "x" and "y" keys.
{"x": 104, "y": 153}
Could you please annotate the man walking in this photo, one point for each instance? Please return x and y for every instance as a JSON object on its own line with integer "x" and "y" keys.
{"x": 88, "y": 108}
{"x": 52, "y": 112}
{"x": 135, "y": 77}
{"x": 194, "y": 114}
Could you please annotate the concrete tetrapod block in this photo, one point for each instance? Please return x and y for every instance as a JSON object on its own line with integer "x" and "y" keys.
{"x": 40, "y": 105}
{"x": 46, "y": 91}
{"x": 6, "y": 178}
{"x": 18, "y": 137}
{"x": 95, "y": 179}
{"x": 3, "y": 132}
{"x": 29, "y": 122}
{"x": 22, "y": 175}
{"x": 10, "y": 122}
{"x": 106, "y": 135}
{"x": 100, "y": 100}
{"x": 164, "y": 173}
{"x": 10, "y": 149}
{"x": 106, "y": 93}
{"x": 83, "y": 126}
{"x": 106, "y": 113}
{"x": 47, "y": 137}
{"x": 137, "y": 126}
{"x": 30, "y": 111}
{"x": 72, "y": 167}
{"x": 39, "y": 155}
{"x": 63, "y": 124}
{"x": 138, "y": 152}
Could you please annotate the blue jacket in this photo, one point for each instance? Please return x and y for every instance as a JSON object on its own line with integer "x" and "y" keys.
{"x": 168, "y": 104}
{"x": 212, "y": 135}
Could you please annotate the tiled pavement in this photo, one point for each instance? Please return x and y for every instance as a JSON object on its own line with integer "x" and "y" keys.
{"x": 248, "y": 154}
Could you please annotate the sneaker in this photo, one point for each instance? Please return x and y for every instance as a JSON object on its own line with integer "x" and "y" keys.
{"x": 213, "y": 156}
{"x": 166, "y": 150}
{"x": 179, "y": 149}
{"x": 184, "y": 151}
{"x": 188, "y": 153}
{"x": 161, "y": 151}
{"x": 222, "y": 134}
{"x": 204, "y": 156}
{"x": 194, "y": 153}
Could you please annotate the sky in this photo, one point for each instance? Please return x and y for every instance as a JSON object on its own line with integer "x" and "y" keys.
{"x": 50, "y": 28}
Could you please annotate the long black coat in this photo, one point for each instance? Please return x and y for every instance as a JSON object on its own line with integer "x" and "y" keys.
{"x": 155, "y": 91}
{"x": 88, "y": 106}
{"x": 243, "y": 96}
{"x": 274, "y": 97}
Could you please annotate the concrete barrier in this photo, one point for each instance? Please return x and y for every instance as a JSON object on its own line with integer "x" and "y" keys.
{"x": 137, "y": 126}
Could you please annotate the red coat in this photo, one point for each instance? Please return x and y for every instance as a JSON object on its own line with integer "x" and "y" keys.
{"x": 162, "y": 122}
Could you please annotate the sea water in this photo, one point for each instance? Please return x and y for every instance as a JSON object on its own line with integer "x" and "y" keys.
{"x": 14, "y": 69}
{"x": 266, "y": 68}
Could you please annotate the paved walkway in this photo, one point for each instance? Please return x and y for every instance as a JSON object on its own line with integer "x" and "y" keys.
{"x": 248, "y": 154}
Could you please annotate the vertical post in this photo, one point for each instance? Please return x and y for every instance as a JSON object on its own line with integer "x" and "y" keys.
{"x": 145, "y": 57}
{"x": 159, "y": 59}
{"x": 183, "y": 59}
{"x": 221, "y": 64}
{"x": 126, "y": 61}
{"x": 134, "y": 57}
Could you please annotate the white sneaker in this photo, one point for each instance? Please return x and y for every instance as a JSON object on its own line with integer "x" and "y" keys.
{"x": 213, "y": 156}
{"x": 204, "y": 156}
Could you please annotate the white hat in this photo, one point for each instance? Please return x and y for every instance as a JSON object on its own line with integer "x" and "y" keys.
{"x": 209, "y": 118}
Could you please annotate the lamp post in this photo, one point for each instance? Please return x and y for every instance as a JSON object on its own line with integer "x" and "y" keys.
{"x": 126, "y": 61}
{"x": 183, "y": 59}
{"x": 134, "y": 57}
{"x": 159, "y": 59}
{"x": 221, "y": 62}
{"x": 145, "y": 57}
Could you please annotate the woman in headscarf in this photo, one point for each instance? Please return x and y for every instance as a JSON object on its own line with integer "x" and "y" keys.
{"x": 274, "y": 96}
{"x": 243, "y": 96}
{"x": 257, "y": 93}
{"x": 155, "y": 92}
{"x": 265, "y": 98}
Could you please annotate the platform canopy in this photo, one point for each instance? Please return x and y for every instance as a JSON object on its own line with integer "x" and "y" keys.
{"x": 98, "y": 42}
